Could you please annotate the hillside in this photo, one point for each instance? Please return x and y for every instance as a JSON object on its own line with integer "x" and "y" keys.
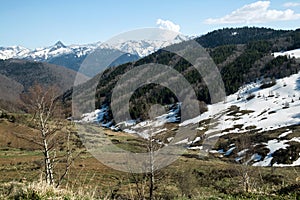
{"x": 17, "y": 76}
{"x": 265, "y": 111}
{"x": 262, "y": 101}
{"x": 72, "y": 61}
{"x": 240, "y": 61}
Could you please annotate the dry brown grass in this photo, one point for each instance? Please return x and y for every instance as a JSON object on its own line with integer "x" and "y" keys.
{"x": 41, "y": 190}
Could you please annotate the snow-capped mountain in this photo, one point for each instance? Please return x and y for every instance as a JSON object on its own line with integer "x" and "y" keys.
{"x": 143, "y": 48}
{"x": 13, "y": 52}
{"x": 136, "y": 47}
{"x": 72, "y": 56}
{"x": 45, "y": 53}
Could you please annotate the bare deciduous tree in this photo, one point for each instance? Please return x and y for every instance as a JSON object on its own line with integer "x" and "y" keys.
{"x": 146, "y": 182}
{"x": 43, "y": 104}
{"x": 246, "y": 172}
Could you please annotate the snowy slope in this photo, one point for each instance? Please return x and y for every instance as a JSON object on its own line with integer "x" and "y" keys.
{"x": 267, "y": 109}
{"x": 132, "y": 126}
{"x": 270, "y": 108}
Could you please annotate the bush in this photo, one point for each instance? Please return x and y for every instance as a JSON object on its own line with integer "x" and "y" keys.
{"x": 267, "y": 84}
{"x": 250, "y": 96}
{"x": 11, "y": 119}
{"x": 3, "y": 114}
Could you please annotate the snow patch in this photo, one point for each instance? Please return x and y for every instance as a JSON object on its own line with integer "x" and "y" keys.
{"x": 293, "y": 53}
{"x": 272, "y": 145}
{"x": 285, "y": 134}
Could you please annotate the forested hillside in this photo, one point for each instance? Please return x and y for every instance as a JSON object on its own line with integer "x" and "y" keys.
{"x": 241, "y": 54}
{"x": 17, "y": 76}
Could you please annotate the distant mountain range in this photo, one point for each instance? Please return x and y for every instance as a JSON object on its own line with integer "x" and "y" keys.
{"x": 73, "y": 55}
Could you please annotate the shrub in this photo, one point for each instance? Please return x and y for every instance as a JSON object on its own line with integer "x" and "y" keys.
{"x": 250, "y": 96}
{"x": 267, "y": 84}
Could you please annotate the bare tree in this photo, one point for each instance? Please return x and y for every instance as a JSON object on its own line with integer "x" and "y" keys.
{"x": 146, "y": 182}
{"x": 152, "y": 147}
{"x": 149, "y": 177}
{"x": 42, "y": 103}
{"x": 246, "y": 150}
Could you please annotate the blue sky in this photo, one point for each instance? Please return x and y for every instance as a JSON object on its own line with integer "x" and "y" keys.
{"x": 36, "y": 23}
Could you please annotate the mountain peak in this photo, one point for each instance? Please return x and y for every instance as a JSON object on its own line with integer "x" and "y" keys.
{"x": 180, "y": 38}
{"x": 59, "y": 44}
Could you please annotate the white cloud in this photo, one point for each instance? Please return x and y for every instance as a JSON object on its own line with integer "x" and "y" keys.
{"x": 166, "y": 24}
{"x": 257, "y": 12}
{"x": 291, "y": 4}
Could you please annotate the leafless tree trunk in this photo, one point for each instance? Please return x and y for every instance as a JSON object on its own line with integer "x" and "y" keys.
{"x": 152, "y": 167}
{"x": 153, "y": 174}
{"x": 145, "y": 182}
{"x": 48, "y": 163}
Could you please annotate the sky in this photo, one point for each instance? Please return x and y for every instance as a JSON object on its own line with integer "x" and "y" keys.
{"x": 36, "y": 23}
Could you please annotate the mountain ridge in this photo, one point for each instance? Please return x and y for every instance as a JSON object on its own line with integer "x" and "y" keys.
{"x": 62, "y": 52}
{"x": 71, "y": 56}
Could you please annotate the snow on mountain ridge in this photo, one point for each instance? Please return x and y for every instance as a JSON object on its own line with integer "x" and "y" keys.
{"x": 138, "y": 47}
{"x": 13, "y": 51}
{"x": 142, "y": 48}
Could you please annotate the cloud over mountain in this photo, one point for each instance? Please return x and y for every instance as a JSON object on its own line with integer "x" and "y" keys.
{"x": 167, "y": 24}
